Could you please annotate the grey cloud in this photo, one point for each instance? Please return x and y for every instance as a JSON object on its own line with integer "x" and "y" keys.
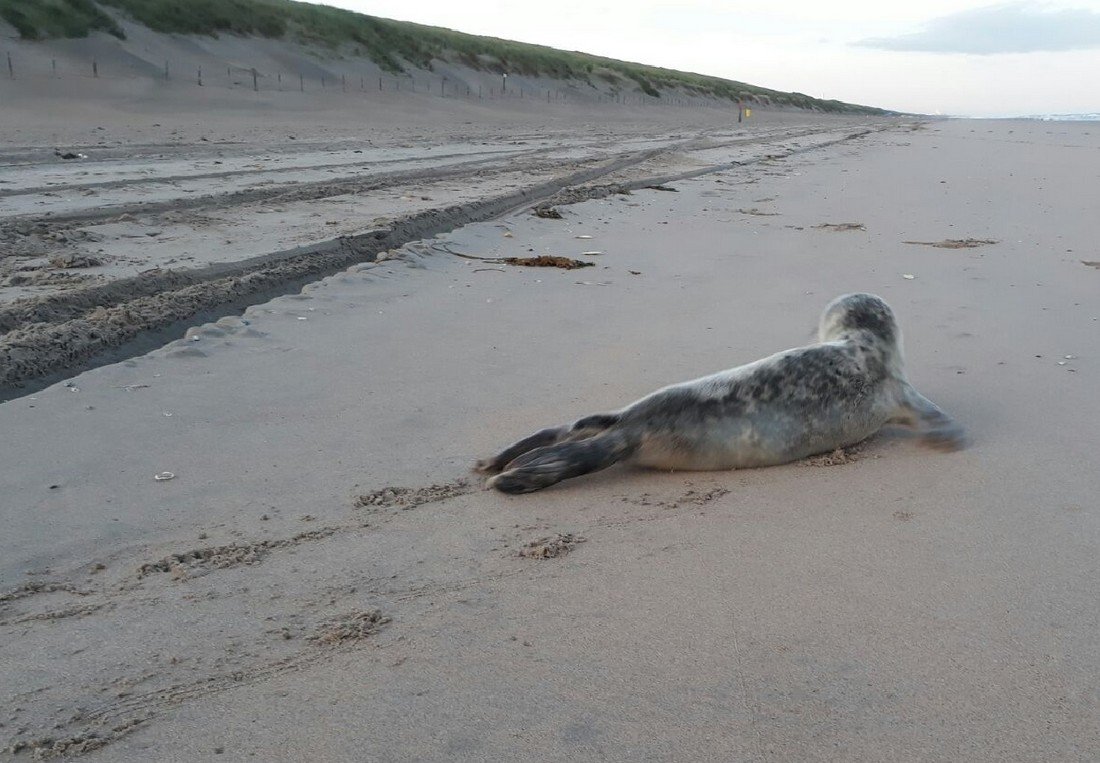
{"x": 1009, "y": 28}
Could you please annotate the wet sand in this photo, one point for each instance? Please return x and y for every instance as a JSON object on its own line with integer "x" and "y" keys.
{"x": 160, "y": 220}
{"x": 324, "y": 579}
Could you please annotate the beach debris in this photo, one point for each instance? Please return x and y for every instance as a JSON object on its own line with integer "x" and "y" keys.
{"x": 908, "y": 276}
{"x": 550, "y": 547}
{"x": 548, "y": 261}
{"x": 547, "y": 213}
{"x": 756, "y": 212}
{"x": 955, "y": 243}
{"x": 69, "y": 154}
{"x": 67, "y": 261}
{"x": 1091, "y": 264}
{"x": 591, "y": 254}
{"x": 841, "y": 227}
{"x": 350, "y": 627}
{"x": 164, "y": 476}
{"x": 1071, "y": 357}
{"x": 593, "y": 283}
{"x": 634, "y": 272}
{"x": 663, "y": 188}
{"x": 583, "y": 236}
{"x": 508, "y": 234}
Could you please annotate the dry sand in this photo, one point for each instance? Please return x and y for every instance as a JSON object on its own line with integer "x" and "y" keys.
{"x": 322, "y": 579}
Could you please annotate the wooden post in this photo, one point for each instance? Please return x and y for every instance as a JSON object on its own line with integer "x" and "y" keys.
{"x": 279, "y": 76}
{"x": 343, "y": 83}
{"x": 443, "y": 87}
{"x": 200, "y": 76}
{"x": 53, "y": 65}
{"x": 479, "y": 92}
{"x": 255, "y": 82}
{"x": 322, "y": 82}
{"x": 11, "y": 71}
{"x": 379, "y": 84}
{"x": 166, "y": 77}
{"x": 95, "y": 68}
{"x": 301, "y": 82}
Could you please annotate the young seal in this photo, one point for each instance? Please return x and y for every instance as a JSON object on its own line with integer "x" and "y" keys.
{"x": 782, "y": 408}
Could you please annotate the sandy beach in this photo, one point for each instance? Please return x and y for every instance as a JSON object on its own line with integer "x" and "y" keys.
{"x": 119, "y": 230}
{"x": 323, "y": 578}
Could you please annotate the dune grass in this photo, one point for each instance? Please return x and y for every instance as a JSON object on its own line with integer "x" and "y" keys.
{"x": 392, "y": 45}
{"x": 42, "y": 19}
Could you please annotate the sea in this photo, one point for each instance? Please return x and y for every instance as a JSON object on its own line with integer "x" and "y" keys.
{"x": 1091, "y": 117}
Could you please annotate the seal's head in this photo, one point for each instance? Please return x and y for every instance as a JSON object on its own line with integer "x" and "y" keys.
{"x": 863, "y": 313}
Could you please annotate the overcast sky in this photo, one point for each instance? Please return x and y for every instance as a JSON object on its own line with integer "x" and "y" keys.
{"x": 931, "y": 56}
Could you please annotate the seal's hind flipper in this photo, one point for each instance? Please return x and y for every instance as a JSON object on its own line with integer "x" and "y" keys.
{"x": 539, "y": 439}
{"x": 583, "y": 428}
{"x": 549, "y": 465}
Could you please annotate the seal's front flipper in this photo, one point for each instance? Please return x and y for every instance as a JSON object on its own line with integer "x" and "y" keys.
{"x": 937, "y": 430}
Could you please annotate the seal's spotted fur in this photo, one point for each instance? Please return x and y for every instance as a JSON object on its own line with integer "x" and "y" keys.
{"x": 782, "y": 408}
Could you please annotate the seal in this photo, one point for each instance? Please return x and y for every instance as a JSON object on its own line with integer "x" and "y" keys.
{"x": 781, "y": 408}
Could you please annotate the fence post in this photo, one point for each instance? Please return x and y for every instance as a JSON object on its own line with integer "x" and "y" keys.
{"x": 95, "y": 68}
{"x": 343, "y": 83}
{"x": 479, "y": 92}
{"x": 379, "y": 84}
{"x": 301, "y": 82}
{"x": 200, "y": 76}
{"x": 166, "y": 69}
{"x": 279, "y": 76}
{"x": 322, "y": 82}
{"x": 255, "y": 83}
{"x": 11, "y": 71}
{"x": 53, "y": 66}
{"x": 442, "y": 87}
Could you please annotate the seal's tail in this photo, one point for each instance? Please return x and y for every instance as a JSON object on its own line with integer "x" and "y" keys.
{"x": 546, "y": 466}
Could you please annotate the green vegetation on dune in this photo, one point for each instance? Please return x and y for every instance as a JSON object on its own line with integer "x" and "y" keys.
{"x": 390, "y": 44}
{"x": 40, "y": 19}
